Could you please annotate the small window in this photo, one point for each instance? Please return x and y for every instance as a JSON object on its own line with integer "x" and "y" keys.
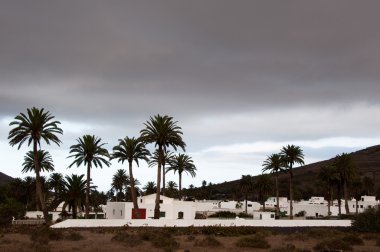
{"x": 113, "y": 211}
{"x": 272, "y": 216}
{"x": 362, "y": 199}
{"x": 249, "y": 205}
{"x": 361, "y": 206}
{"x": 161, "y": 201}
{"x": 140, "y": 200}
{"x": 162, "y": 214}
{"x": 180, "y": 215}
{"x": 121, "y": 212}
{"x": 353, "y": 206}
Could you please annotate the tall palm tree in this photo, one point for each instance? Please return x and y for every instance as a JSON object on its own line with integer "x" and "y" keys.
{"x": 89, "y": 151}
{"x": 74, "y": 192}
{"x": 56, "y": 183}
{"x": 275, "y": 164}
{"x": 292, "y": 155}
{"x": 182, "y": 163}
{"x": 329, "y": 175}
{"x": 45, "y": 163}
{"x": 150, "y": 187}
{"x": 119, "y": 179}
{"x": 168, "y": 156}
{"x": 172, "y": 189}
{"x": 131, "y": 149}
{"x": 347, "y": 171}
{"x": 264, "y": 185}
{"x": 246, "y": 187}
{"x": 33, "y": 126}
{"x": 163, "y": 132}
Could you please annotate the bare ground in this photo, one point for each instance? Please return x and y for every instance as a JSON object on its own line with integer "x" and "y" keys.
{"x": 156, "y": 239}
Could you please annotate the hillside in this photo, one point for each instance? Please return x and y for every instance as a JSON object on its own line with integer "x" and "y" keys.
{"x": 367, "y": 162}
{"x": 4, "y": 179}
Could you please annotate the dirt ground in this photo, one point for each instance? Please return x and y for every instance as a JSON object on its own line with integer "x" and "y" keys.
{"x": 35, "y": 239}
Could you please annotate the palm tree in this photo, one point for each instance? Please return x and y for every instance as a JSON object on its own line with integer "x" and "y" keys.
{"x": 347, "y": 171}
{"x": 168, "y": 156}
{"x": 246, "y": 187}
{"x": 45, "y": 163}
{"x": 150, "y": 188}
{"x": 32, "y": 127}
{"x": 119, "y": 179}
{"x": 275, "y": 164}
{"x": 89, "y": 151}
{"x": 163, "y": 132}
{"x": 131, "y": 149}
{"x": 182, "y": 163}
{"x": 329, "y": 175}
{"x": 264, "y": 184}
{"x": 291, "y": 155}
{"x": 128, "y": 189}
{"x": 172, "y": 188}
{"x": 56, "y": 183}
{"x": 74, "y": 192}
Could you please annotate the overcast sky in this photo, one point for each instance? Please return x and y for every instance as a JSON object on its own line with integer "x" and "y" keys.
{"x": 242, "y": 78}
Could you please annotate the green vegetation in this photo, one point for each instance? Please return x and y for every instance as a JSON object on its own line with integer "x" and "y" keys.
{"x": 334, "y": 244}
{"x": 368, "y": 221}
{"x": 256, "y": 241}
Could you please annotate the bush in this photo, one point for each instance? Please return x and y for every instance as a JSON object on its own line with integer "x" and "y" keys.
{"x": 245, "y": 215}
{"x": 74, "y": 236}
{"x": 352, "y": 239}
{"x": 11, "y": 209}
{"x": 332, "y": 244}
{"x": 161, "y": 239}
{"x": 289, "y": 248}
{"x": 368, "y": 221}
{"x": 378, "y": 242}
{"x": 127, "y": 239}
{"x": 45, "y": 234}
{"x": 208, "y": 241}
{"x": 228, "y": 231}
{"x": 256, "y": 241}
{"x": 224, "y": 214}
{"x": 300, "y": 214}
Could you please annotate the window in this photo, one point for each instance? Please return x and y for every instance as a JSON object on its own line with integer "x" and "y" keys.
{"x": 362, "y": 199}
{"x": 249, "y": 205}
{"x": 353, "y": 206}
{"x": 361, "y": 206}
{"x": 121, "y": 212}
{"x": 140, "y": 200}
{"x": 162, "y": 214}
{"x": 272, "y": 216}
{"x": 161, "y": 201}
{"x": 113, "y": 211}
{"x": 180, "y": 215}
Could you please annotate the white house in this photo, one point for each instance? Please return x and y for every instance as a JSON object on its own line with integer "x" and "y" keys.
{"x": 169, "y": 208}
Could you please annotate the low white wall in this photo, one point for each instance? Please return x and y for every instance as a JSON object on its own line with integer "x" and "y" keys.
{"x": 200, "y": 223}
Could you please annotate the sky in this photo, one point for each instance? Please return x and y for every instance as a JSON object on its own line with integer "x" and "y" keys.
{"x": 242, "y": 78}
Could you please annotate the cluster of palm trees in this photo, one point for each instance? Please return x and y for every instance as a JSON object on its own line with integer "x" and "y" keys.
{"x": 281, "y": 162}
{"x": 340, "y": 174}
{"x": 38, "y": 125}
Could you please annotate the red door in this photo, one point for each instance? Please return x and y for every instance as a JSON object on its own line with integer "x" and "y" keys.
{"x": 142, "y": 212}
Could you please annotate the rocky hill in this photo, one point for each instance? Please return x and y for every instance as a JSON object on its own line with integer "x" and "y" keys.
{"x": 4, "y": 179}
{"x": 306, "y": 181}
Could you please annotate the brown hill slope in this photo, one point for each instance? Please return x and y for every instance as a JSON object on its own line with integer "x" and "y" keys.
{"x": 306, "y": 181}
{"x": 4, "y": 179}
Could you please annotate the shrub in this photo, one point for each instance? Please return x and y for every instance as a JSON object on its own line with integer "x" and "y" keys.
{"x": 224, "y": 214}
{"x": 256, "y": 241}
{"x": 378, "y": 242}
{"x": 245, "y": 215}
{"x": 228, "y": 231}
{"x": 156, "y": 238}
{"x": 74, "y": 236}
{"x": 300, "y": 214}
{"x": 352, "y": 239}
{"x": 368, "y": 221}
{"x": 11, "y": 209}
{"x": 289, "y": 248}
{"x": 332, "y": 244}
{"x": 127, "y": 239}
{"x": 208, "y": 241}
{"x": 44, "y": 234}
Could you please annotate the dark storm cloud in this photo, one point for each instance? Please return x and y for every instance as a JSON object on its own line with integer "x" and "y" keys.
{"x": 208, "y": 55}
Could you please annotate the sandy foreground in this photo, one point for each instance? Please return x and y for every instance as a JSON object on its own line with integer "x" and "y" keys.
{"x": 161, "y": 239}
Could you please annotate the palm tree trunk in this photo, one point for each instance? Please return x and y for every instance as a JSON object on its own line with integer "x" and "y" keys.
{"x": 157, "y": 202}
{"x": 38, "y": 184}
{"x": 329, "y": 201}
{"x": 163, "y": 179}
{"x": 345, "y": 191}
{"x": 339, "y": 199}
{"x": 291, "y": 192}
{"x": 87, "y": 214}
{"x": 277, "y": 197}
{"x": 180, "y": 186}
{"x": 246, "y": 201}
{"x": 133, "y": 191}
{"x": 357, "y": 209}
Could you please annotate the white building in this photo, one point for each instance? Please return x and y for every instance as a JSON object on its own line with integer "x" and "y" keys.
{"x": 169, "y": 208}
